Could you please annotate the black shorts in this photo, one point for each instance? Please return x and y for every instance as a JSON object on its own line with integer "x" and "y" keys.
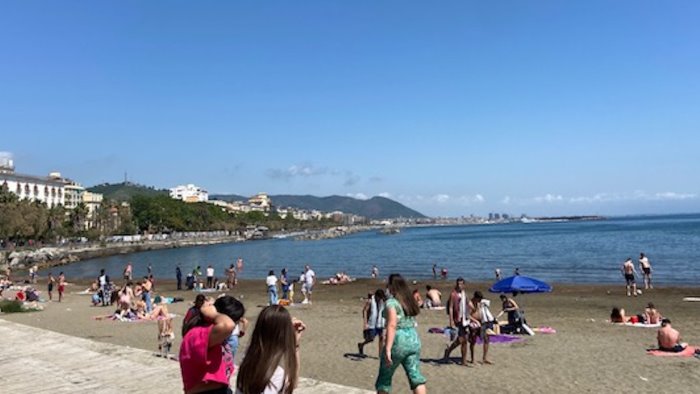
{"x": 647, "y": 271}
{"x": 629, "y": 278}
{"x": 676, "y": 349}
{"x": 372, "y": 333}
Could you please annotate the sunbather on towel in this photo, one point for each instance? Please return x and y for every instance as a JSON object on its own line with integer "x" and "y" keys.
{"x": 669, "y": 338}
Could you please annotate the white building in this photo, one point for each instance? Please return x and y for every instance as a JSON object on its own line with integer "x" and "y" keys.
{"x": 92, "y": 202}
{"x": 49, "y": 190}
{"x": 260, "y": 202}
{"x": 189, "y": 193}
{"x": 72, "y": 195}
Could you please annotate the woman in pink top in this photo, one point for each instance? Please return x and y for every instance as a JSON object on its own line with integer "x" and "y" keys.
{"x": 206, "y": 361}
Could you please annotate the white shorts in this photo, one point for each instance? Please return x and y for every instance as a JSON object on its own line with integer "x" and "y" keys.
{"x": 307, "y": 289}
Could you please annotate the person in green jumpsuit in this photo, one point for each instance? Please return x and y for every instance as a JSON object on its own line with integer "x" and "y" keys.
{"x": 402, "y": 344}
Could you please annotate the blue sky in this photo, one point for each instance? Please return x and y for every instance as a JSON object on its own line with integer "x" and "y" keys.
{"x": 545, "y": 108}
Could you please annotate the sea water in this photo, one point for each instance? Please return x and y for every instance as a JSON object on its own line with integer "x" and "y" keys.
{"x": 561, "y": 252}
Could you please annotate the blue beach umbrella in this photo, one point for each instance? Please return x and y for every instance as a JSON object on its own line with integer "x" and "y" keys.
{"x": 521, "y": 284}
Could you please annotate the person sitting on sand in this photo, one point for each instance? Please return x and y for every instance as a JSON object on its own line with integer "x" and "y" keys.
{"x": 618, "y": 315}
{"x": 651, "y": 314}
{"x": 669, "y": 338}
{"x": 433, "y": 297}
{"x": 417, "y": 297}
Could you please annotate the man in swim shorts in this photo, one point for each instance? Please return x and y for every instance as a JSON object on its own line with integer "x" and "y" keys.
{"x": 669, "y": 338}
{"x": 645, "y": 267}
{"x": 629, "y": 273}
{"x": 309, "y": 282}
{"x": 459, "y": 311}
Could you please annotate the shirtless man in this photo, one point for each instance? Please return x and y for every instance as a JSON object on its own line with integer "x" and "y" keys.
{"x": 481, "y": 314}
{"x": 669, "y": 338}
{"x": 645, "y": 267}
{"x": 458, "y": 309}
{"x": 629, "y": 273}
{"x": 433, "y": 297}
{"x": 651, "y": 314}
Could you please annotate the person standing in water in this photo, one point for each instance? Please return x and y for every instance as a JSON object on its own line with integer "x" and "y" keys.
{"x": 645, "y": 267}
{"x": 178, "y": 277}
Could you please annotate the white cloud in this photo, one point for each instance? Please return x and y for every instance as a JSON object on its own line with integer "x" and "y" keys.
{"x": 441, "y": 198}
{"x": 548, "y": 198}
{"x": 506, "y": 200}
{"x": 296, "y": 170}
{"x": 636, "y": 195}
{"x": 385, "y": 194}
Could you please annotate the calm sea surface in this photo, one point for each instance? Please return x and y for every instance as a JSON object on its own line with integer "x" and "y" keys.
{"x": 570, "y": 252}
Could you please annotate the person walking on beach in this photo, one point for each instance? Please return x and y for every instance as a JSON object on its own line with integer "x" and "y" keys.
{"x": 178, "y": 277}
{"x": 482, "y": 313}
{"x": 372, "y": 320}
{"x": 645, "y": 267}
{"x": 402, "y": 345}
{"x": 309, "y": 283}
{"x": 629, "y": 273}
{"x": 271, "y": 282}
{"x": 498, "y": 274}
{"x": 239, "y": 265}
{"x": 61, "y": 285}
{"x": 210, "y": 277}
{"x": 51, "y": 280}
{"x": 459, "y": 312}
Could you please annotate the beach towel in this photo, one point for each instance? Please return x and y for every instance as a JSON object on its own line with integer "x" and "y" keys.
{"x": 691, "y": 299}
{"x": 436, "y": 308}
{"x": 640, "y": 325}
{"x": 496, "y": 338}
{"x": 688, "y": 352}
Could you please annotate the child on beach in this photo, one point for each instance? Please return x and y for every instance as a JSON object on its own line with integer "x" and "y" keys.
{"x": 61, "y": 286}
{"x": 166, "y": 336}
{"x": 271, "y": 364}
{"x": 51, "y": 281}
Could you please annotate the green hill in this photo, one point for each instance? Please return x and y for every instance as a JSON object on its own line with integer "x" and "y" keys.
{"x": 373, "y": 208}
{"x": 125, "y": 191}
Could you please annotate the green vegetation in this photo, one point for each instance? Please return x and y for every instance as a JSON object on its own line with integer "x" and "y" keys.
{"x": 125, "y": 191}
{"x": 11, "y": 306}
{"x": 22, "y": 220}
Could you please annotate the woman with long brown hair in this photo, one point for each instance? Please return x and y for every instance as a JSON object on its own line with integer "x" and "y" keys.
{"x": 402, "y": 345}
{"x": 271, "y": 364}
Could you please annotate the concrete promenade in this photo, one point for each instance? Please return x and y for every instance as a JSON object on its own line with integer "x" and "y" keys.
{"x": 40, "y": 361}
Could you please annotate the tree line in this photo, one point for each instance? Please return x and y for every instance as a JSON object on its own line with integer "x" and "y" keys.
{"x": 22, "y": 221}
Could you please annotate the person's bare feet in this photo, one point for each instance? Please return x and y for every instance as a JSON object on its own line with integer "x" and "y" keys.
{"x": 487, "y": 362}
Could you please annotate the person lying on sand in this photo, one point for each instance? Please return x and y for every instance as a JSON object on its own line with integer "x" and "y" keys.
{"x": 669, "y": 338}
{"x": 618, "y": 316}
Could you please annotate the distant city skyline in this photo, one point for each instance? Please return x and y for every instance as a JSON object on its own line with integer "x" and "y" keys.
{"x": 545, "y": 108}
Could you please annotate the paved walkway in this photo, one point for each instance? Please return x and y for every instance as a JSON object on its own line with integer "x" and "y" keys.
{"x": 40, "y": 361}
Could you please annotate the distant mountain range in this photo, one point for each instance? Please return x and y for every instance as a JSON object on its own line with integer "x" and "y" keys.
{"x": 373, "y": 208}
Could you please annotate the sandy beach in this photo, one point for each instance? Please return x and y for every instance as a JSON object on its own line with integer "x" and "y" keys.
{"x": 587, "y": 354}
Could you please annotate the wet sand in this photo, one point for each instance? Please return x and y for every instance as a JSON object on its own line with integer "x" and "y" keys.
{"x": 587, "y": 354}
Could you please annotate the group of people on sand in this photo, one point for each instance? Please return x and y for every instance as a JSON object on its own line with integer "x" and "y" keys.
{"x": 286, "y": 282}
{"x": 433, "y": 298}
{"x": 212, "y": 282}
{"x": 630, "y": 274}
{"x": 668, "y": 338}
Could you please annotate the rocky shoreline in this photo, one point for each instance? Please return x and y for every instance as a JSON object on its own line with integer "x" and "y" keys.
{"x": 46, "y": 257}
